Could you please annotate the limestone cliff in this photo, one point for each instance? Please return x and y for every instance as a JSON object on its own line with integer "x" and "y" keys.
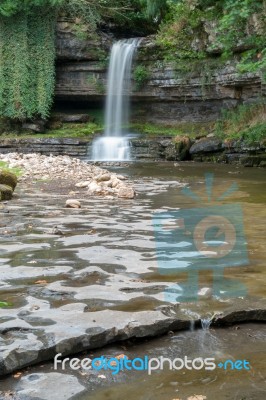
{"x": 168, "y": 95}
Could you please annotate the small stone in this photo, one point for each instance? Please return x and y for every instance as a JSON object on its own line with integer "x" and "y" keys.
{"x": 82, "y": 184}
{"x": 126, "y": 192}
{"x": 116, "y": 182}
{"x": 94, "y": 188}
{"x": 72, "y": 203}
{"x": 103, "y": 178}
{"x": 102, "y": 376}
{"x": 121, "y": 177}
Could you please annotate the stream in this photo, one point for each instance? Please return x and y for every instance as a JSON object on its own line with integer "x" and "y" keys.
{"x": 105, "y": 256}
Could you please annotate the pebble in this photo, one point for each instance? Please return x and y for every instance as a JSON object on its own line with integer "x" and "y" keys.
{"x": 72, "y": 203}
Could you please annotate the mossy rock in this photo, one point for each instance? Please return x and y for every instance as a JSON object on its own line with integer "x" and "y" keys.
{"x": 182, "y": 145}
{"x": 9, "y": 179}
{"x": 6, "y": 192}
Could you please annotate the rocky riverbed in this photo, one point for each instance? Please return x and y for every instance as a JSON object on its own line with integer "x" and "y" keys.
{"x": 70, "y": 172}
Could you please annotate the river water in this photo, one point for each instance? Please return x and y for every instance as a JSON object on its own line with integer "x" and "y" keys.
{"x": 117, "y": 236}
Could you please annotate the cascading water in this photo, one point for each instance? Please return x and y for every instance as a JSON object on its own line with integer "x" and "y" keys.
{"x": 113, "y": 146}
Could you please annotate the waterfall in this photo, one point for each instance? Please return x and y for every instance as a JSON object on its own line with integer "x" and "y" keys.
{"x": 113, "y": 146}
{"x": 206, "y": 323}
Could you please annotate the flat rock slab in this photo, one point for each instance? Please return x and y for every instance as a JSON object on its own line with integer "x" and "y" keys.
{"x": 36, "y": 333}
{"x": 42, "y": 387}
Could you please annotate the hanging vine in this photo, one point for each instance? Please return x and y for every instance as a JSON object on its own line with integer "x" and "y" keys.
{"x": 27, "y": 53}
{"x": 27, "y": 49}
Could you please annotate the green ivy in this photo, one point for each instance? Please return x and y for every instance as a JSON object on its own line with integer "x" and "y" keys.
{"x": 141, "y": 75}
{"x": 235, "y": 29}
{"x": 27, "y": 53}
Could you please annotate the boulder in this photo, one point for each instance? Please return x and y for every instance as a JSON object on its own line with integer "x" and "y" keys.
{"x": 206, "y": 145}
{"x": 6, "y": 192}
{"x": 103, "y": 177}
{"x": 94, "y": 188}
{"x": 9, "y": 179}
{"x": 72, "y": 203}
{"x": 126, "y": 192}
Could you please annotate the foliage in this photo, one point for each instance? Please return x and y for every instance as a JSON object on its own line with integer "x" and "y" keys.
{"x": 185, "y": 128}
{"x": 11, "y": 7}
{"x": 27, "y": 53}
{"x": 155, "y": 9}
{"x": 65, "y": 130}
{"x": 27, "y": 49}
{"x": 4, "y": 304}
{"x": 246, "y": 122}
{"x": 27, "y": 46}
{"x": 240, "y": 24}
{"x": 141, "y": 76}
{"x": 5, "y": 166}
{"x": 177, "y": 32}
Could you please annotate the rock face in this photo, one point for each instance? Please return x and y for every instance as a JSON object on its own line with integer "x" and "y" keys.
{"x": 145, "y": 149}
{"x": 168, "y": 95}
{"x": 233, "y": 152}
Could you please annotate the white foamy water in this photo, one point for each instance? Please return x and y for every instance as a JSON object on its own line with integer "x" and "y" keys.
{"x": 113, "y": 146}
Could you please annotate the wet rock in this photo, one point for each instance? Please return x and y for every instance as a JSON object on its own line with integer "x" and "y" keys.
{"x": 42, "y": 386}
{"x": 72, "y": 203}
{"x": 9, "y": 179}
{"x": 258, "y": 315}
{"x": 6, "y": 192}
{"x": 206, "y": 145}
{"x": 126, "y": 192}
{"x": 24, "y": 272}
{"x": 74, "y": 330}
